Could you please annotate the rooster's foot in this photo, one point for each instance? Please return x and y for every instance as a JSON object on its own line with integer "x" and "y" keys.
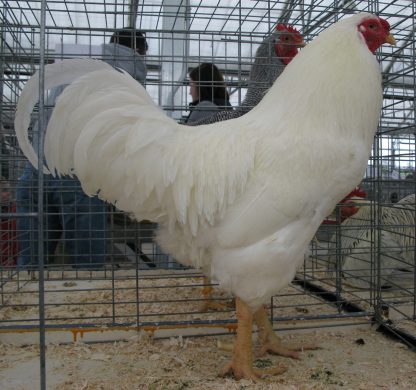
{"x": 246, "y": 372}
{"x": 270, "y": 342}
{"x": 275, "y": 346}
{"x": 210, "y": 304}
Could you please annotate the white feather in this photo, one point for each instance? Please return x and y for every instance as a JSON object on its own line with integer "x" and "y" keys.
{"x": 58, "y": 74}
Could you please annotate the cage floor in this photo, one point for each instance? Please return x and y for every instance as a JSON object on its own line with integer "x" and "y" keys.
{"x": 398, "y": 296}
{"x": 160, "y": 301}
{"x": 349, "y": 358}
{"x": 97, "y": 298}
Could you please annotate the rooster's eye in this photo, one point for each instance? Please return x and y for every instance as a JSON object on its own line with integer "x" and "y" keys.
{"x": 372, "y": 26}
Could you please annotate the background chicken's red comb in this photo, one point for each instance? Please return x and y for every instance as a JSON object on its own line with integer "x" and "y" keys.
{"x": 358, "y": 192}
{"x": 283, "y": 27}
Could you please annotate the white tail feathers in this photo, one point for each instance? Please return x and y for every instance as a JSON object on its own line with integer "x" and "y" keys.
{"x": 106, "y": 129}
{"x": 56, "y": 74}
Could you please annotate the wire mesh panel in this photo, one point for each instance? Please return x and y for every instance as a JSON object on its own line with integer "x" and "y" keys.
{"x": 103, "y": 270}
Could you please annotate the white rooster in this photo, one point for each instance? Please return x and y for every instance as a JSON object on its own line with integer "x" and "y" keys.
{"x": 241, "y": 198}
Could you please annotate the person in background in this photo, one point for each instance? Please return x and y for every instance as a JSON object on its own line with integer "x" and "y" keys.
{"x": 8, "y": 242}
{"x": 68, "y": 212}
{"x": 126, "y": 50}
{"x": 208, "y": 92}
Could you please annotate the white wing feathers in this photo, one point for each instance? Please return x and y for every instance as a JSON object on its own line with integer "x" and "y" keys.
{"x": 107, "y": 130}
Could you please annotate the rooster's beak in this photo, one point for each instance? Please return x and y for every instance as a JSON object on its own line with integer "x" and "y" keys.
{"x": 301, "y": 43}
{"x": 390, "y": 39}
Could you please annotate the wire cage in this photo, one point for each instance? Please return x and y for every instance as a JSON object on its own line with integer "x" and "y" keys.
{"x": 361, "y": 265}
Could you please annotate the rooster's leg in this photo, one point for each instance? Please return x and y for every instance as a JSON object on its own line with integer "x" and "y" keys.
{"x": 209, "y": 304}
{"x": 241, "y": 364}
{"x": 270, "y": 342}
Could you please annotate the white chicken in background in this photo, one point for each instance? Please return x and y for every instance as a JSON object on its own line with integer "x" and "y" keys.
{"x": 358, "y": 235}
{"x": 240, "y": 198}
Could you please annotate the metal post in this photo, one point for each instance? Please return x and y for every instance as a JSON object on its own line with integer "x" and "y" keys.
{"x": 41, "y": 127}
